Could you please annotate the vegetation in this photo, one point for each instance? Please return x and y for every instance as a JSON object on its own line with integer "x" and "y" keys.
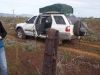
{"x": 25, "y": 57}
{"x": 94, "y": 29}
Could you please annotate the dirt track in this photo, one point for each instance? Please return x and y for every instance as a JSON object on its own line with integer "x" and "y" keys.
{"x": 80, "y": 52}
{"x": 88, "y": 44}
{"x": 71, "y": 49}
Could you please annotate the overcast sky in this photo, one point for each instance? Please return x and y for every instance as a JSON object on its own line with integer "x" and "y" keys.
{"x": 82, "y": 8}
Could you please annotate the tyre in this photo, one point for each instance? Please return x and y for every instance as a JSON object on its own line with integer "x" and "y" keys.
{"x": 77, "y": 28}
{"x": 21, "y": 34}
{"x": 82, "y": 33}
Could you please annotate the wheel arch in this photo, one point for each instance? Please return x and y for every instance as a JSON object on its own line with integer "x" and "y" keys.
{"x": 19, "y": 27}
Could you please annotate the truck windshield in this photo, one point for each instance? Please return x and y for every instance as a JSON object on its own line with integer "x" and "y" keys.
{"x": 32, "y": 19}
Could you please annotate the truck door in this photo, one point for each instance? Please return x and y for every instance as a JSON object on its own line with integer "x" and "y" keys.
{"x": 37, "y": 25}
{"x": 29, "y": 26}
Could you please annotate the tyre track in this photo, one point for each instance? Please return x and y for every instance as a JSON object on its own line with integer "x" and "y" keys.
{"x": 80, "y": 52}
{"x": 92, "y": 45}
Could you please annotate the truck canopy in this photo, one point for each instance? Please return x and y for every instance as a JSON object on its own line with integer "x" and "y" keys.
{"x": 63, "y": 8}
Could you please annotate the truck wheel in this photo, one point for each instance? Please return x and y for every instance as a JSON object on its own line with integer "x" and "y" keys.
{"x": 77, "y": 28}
{"x": 21, "y": 34}
{"x": 82, "y": 33}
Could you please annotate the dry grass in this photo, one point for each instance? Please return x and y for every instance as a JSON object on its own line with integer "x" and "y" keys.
{"x": 25, "y": 57}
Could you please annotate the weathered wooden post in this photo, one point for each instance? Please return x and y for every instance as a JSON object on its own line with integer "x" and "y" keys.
{"x": 50, "y": 53}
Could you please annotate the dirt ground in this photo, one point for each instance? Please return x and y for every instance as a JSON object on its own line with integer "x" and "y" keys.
{"x": 73, "y": 58}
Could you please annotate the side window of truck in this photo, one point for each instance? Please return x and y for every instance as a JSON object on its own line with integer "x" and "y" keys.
{"x": 59, "y": 20}
{"x": 38, "y": 20}
{"x": 32, "y": 20}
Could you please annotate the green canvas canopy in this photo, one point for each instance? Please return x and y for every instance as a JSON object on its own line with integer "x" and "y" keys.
{"x": 63, "y": 8}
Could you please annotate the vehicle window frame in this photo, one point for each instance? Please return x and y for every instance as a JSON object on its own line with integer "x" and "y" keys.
{"x": 69, "y": 21}
{"x": 59, "y": 20}
{"x": 72, "y": 18}
{"x": 38, "y": 20}
{"x": 31, "y": 21}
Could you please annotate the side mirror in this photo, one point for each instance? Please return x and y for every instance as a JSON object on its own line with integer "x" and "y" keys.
{"x": 26, "y": 21}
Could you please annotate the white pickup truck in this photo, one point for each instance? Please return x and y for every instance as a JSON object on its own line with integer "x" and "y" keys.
{"x": 68, "y": 26}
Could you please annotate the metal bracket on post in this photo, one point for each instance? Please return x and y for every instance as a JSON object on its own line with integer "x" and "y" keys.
{"x": 50, "y": 53}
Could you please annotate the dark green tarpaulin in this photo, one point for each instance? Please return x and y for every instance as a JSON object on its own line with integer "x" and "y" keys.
{"x": 63, "y": 8}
